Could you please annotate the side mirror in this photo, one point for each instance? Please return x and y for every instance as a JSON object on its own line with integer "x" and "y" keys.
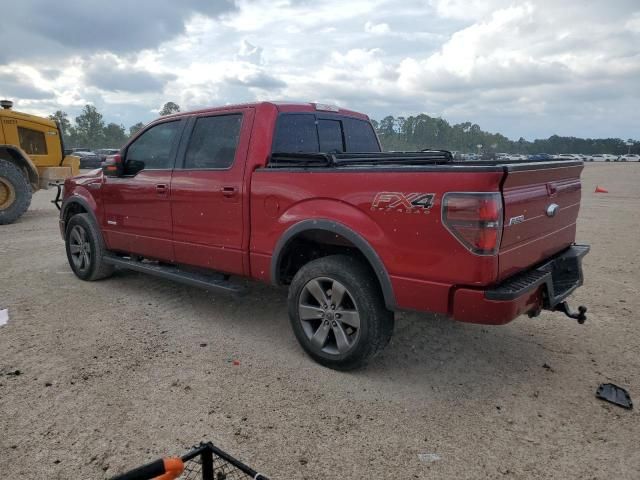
{"x": 113, "y": 166}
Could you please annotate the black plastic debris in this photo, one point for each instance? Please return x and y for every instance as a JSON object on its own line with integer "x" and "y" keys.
{"x": 614, "y": 394}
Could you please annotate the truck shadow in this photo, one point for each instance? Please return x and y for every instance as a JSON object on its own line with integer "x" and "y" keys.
{"x": 425, "y": 351}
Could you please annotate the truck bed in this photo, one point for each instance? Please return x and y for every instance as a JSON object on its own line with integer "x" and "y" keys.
{"x": 416, "y": 247}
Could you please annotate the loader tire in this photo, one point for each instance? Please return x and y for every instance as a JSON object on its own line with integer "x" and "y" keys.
{"x": 15, "y": 193}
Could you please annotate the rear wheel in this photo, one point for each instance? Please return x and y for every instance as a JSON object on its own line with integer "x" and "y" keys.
{"x": 85, "y": 249}
{"x": 15, "y": 193}
{"x": 337, "y": 312}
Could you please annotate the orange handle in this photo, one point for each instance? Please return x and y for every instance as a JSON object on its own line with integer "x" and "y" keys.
{"x": 173, "y": 468}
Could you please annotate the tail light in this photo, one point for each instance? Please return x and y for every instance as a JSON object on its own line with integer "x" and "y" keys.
{"x": 475, "y": 219}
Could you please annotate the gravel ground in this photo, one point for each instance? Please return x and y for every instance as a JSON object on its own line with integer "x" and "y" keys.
{"x": 115, "y": 373}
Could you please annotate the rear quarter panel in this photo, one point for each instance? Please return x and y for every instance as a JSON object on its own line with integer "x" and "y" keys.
{"x": 412, "y": 244}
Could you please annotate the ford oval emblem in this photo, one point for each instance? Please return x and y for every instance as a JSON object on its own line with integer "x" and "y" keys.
{"x": 552, "y": 210}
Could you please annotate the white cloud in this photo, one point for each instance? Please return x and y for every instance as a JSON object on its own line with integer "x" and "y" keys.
{"x": 377, "y": 28}
{"x": 530, "y": 68}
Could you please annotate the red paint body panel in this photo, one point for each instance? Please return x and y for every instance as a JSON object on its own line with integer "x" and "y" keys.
{"x": 141, "y": 213}
{"x": 410, "y": 245}
{"x": 194, "y": 222}
{"x": 529, "y": 193}
{"x": 471, "y": 306}
{"x": 207, "y": 210}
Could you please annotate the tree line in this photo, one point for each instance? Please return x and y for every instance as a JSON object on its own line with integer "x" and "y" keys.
{"x": 422, "y": 131}
{"x": 89, "y": 130}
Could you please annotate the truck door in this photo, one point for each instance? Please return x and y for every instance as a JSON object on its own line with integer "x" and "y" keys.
{"x": 136, "y": 205}
{"x": 208, "y": 193}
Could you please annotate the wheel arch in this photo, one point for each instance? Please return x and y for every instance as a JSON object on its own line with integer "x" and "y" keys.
{"x": 76, "y": 204}
{"x": 22, "y": 161}
{"x": 299, "y": 230}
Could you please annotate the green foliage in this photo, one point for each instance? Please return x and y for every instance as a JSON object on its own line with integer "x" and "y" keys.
{"x": 133, "y": 129}
{"x": 63, "y": 120}
{"x": 89, "y": 128}
{"x": 422, "y": 131}
{"x": 169, "y": 108}
{"x": 114, "y": 135}
{"x": 396, "y": 133}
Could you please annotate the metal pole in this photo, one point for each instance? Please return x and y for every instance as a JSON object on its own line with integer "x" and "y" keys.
{"x": 207, "y": 464}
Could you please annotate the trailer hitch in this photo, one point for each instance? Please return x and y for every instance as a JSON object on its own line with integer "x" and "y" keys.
{"x": 580, "y": 315}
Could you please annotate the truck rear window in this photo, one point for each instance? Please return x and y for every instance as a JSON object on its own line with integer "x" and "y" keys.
{"x": 311, "y": 133}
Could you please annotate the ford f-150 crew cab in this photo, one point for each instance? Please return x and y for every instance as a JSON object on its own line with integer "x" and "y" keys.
{"x": 301, "y": 195}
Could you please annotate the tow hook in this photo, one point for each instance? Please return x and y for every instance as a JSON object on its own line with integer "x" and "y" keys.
{"x": 580, "y": 315}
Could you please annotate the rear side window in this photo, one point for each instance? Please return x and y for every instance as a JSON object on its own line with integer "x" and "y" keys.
{"x": 32, "y": 141}
{"x": 359, "y": 136}
{"x": 213, "y": 142}
{"x": 296, "y": 134}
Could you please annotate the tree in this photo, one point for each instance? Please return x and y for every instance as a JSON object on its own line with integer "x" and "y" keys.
{"x": 114, "y": 135}
{"x": 63, "y": 120}
{"x": 90, "y": 128}
{"x": 68, "y": 131}
{"x": 169, "y": 108}
{"x": 133, "y": 129}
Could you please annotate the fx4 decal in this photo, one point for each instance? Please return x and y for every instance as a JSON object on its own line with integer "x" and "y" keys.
{"x": 403, "y": 202}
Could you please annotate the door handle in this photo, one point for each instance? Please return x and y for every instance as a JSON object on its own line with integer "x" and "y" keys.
{"x": 161, "y": 188}
{"x": 229, "y": 191}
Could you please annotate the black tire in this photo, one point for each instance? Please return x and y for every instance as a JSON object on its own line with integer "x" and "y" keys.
{"x": 358, "y": 292}
{"x": 15, "y": 193}
{"x": 85, "y": 249}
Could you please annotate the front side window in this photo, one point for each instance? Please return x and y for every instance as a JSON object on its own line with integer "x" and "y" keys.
{"x": 32, "y": 141}
{"x": 152, "y": 150}
{"x": 213, "y": 142}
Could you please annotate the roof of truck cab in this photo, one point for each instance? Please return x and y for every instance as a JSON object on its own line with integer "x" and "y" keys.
{"x": 279, "y": 105}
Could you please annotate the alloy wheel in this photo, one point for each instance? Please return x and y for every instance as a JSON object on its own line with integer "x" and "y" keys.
{"x": 329, "y": 316}
{"x": 80, "y": 248}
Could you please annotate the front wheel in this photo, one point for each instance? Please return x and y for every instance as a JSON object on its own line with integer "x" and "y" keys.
{"x": 85, "y": 249}
{"x": 337, "y": 312}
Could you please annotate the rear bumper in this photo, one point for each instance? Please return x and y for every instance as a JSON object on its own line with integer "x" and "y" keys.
{"x": 541, "y": 287}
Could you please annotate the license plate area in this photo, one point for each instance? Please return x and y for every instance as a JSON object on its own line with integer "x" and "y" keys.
{"x": 565, "y": 275}
{"x": 557, "y": 278}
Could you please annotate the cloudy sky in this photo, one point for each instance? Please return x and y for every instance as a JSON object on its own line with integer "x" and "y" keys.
{"x": 523, "y": 68}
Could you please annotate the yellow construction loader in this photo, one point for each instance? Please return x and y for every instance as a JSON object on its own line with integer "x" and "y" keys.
{"x": 31, "y": 158}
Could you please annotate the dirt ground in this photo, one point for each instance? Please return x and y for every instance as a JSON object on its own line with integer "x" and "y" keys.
{"x": 116, "y": 373}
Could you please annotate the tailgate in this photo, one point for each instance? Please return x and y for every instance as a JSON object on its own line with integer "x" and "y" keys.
{"x": 541, "y": 203}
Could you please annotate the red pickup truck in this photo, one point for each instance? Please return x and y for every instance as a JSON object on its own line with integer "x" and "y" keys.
{"x": 302, "y": 195}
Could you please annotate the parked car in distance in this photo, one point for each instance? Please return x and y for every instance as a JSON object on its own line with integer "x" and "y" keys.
{"x": 569, "y": 156}
{"x": 541, "y": 157}
{"x": 69, "y": 151}
{"x": 88, "y": 159}
{"x": 517, "y": 157}
{"x": 103, "y": 153}
{"x": 258, "y": 190}
{"x": 629, "y": 157}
